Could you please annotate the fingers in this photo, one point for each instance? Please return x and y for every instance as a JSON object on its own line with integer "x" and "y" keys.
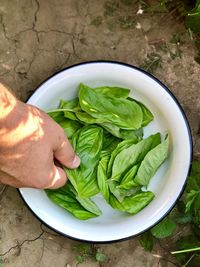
{"x": 57, "y": 179}
{"x": 65, "y": 154}
{"x": 54, "y": 180}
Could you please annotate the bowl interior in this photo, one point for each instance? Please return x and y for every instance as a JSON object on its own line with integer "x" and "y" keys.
{"x": 167, "y": 183}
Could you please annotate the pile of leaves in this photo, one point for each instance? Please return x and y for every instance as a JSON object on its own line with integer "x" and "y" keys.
{"x": 186, "y": 213}
{"x": 105, "y": 127}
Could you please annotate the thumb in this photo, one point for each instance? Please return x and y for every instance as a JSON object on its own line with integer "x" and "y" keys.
{"x": 58, "y": 178}
{"x": 66, "y": 155}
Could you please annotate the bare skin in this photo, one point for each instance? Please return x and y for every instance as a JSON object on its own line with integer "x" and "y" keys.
{"x": 30, "y": 144}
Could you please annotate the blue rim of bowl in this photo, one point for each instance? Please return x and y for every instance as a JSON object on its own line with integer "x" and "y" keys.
{"x": 190, "y": 141}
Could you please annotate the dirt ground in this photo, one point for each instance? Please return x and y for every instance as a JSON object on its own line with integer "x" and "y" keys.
{"x": 40, "y": 37}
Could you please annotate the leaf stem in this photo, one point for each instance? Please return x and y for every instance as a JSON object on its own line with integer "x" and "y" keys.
{"x": 186, "y": 250}
{"x": 60, "y": 109}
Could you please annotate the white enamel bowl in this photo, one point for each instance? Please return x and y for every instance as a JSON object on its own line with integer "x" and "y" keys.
{"x": 167, "y": 184}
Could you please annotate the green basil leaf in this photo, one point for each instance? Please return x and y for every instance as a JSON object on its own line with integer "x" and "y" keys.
{"x": 69, "y": 104}
{"x": 109, "y": 142}
{"x": 121, "y": 133}
{"x": 164, "y": 229}
{"x": 127, "y": 181}
{"x": 121, "y": 112}
{"x": 87, "y": 118}
{"x": 85, "y": 185}
{"x": 66, "y": 109}
{"x": 75, "y": 208}
{"x": 119, "y": 193}
{"x": 72, "y": 105}
{"x": 122, "y": 145}
{"x": 132, "y": 156}
{"x": 131, "y": 134}
{"x": 89, "y": 205}
{"x": 132, "y": 204}
{"x": 113, "y": 91}
{"x": 147, "y": 115}
{"x": 111, "y": 128}
{"x": 70, "y": 127}
{"x": 66, "y": 189}
{"x": 104, "y": 153}
{"x": 115, "y": 203}
{"x": 57, "y": 116}
{"x": 102, "y": 178}
{"x": 152, "y": 161}
{"x": 65, "y": 198}
{"x": 88, "y": 147}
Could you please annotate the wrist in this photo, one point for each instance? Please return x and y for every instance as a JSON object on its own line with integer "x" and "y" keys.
{"x": 12, "y": 112}
{"x": 7, "y": 103}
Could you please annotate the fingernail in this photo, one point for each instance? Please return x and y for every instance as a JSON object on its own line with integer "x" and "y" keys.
{"x": 76, "y": 162}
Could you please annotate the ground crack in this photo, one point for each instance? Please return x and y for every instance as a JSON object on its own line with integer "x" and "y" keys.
{"x": 74, "y": 49}
{"x": 2, "y": 190}
{"x": 21, "y": 244}
{"x": 36, "y": 13}
{"x": 4, "y": 29}
{"x": 47, "y": 232}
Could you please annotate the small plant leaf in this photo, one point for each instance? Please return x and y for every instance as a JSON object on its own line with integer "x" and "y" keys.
{"x": 100, "y": 257}
{"x": 164, "y": 229}
{"x": 146, "y": 241}
{"x": 192, "y": 198}
{"x": 80, "y": 259}
{"x": 193, "y": 18}
{"x": 152, "y": 62}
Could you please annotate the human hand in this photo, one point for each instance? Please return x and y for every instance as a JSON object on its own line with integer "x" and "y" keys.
{"x": 30, "y": 142}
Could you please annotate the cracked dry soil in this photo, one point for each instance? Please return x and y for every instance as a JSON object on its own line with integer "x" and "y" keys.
{"x": 40, "y": 37}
